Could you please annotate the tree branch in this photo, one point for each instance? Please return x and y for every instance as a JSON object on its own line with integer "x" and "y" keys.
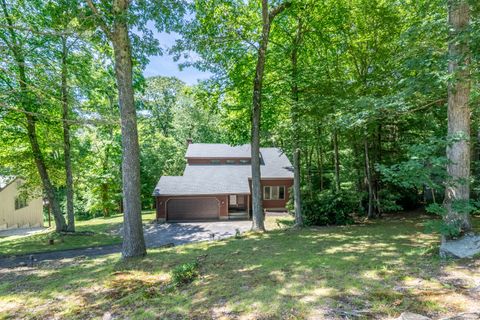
{"x": 278, "y": 9}
{"x": 99, "y": 16}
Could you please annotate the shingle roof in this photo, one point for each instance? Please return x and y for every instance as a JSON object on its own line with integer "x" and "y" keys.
{"x": 217, "y": 150}
{"x": 224, "y": 179}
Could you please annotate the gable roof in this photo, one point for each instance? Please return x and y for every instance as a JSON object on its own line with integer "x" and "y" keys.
{"x": 217, "y": 150}
{"x": 5, "y": 181}
{"x": 224, "y": 179}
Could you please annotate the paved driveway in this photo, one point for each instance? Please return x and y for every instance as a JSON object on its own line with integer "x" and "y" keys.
{"x": 185, "y": 232}
{"x": 156, "y": 235}
{"x": 20, "y": 232}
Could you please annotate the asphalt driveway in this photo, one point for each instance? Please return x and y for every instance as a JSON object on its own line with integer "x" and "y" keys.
{"x": 156, "y": 235}
{"x": 185, "y": 232}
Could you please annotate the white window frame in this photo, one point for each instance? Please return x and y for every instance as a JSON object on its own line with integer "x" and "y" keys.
{"x": 269, "y": 195}
{"x": 233, "y": 196}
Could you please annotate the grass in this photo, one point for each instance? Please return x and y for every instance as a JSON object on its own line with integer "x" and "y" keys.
{"x": 103, "y": 234}
{"x": 374, "y": 270}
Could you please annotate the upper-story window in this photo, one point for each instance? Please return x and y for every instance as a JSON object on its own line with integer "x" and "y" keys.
{"x": 214, "y": 161}
{"x": 230, "y": 161}
{"x": 244, "y": 161}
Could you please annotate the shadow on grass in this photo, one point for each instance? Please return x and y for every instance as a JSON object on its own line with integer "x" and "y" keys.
{"x": 321, "y": 272}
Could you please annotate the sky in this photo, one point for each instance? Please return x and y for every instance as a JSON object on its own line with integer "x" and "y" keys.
{"x": 165, "y": 66}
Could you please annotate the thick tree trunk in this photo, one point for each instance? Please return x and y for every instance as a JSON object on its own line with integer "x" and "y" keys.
{"x": 296, "y": 128}
{"x": 336, "y": 160}
{"x": 133, "y": 240}
{"x": 258, "y": 216}
{"x": 296, "y": 189}
{"x": 66, "y": 139}
{"x": 458, "y": 149}
{"x": 18, "y": 54}
{"x": 370, "y": 213}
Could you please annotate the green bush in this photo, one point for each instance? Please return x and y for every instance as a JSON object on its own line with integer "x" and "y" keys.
{"x": 185, "y": 273}
{"x": 330, "y": 208}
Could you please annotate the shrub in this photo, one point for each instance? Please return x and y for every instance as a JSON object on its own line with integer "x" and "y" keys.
{"x": 330, "y": 208}
{"x": 185, "y": 273}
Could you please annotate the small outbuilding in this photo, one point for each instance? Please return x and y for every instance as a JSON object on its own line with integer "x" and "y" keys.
{"x": 16, "y": 209}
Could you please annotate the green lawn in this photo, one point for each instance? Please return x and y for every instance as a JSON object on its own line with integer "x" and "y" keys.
{"x": 375, "y": 270}
{"x": 102, "y": 229}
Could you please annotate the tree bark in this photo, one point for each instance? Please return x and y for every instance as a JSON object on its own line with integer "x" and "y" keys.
{"x": 258, "y": 216}
{"x": 336, "y": 160}
{"x": 296, "y": 128}
{"x": 370, "y": 213}
{"x": 133, "y": 240}
{"x": 19, "y": 57}
{"x": 458, "y": 148}
{"x": 319, "y": 152}
{"x": 296, "y": 189}
{"x": 66, "y": 139}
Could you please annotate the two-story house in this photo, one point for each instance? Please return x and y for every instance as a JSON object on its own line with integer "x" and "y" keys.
{"x": 216, "y": 184}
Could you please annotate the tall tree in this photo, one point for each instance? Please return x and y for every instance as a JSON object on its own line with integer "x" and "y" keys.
{"x": 117, "y": 33}
{"x": 16, "y": 42}
{"x": 295, "y": 112}
{"x": 267, "y": 19}
{"x": 457, "y": 190}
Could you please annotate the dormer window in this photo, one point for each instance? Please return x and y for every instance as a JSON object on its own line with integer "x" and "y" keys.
{"x": 230, "y": 161}
{"x": 214, "y": 161}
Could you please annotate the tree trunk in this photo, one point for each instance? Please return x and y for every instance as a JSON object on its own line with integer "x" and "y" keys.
{"x": 66, "y": 139}
{"x": 458, "y": 149}
{"x": 26, "y": 100}
{"x": 296, "y": 128}
{"x": 258, "y": 215}
{"x": 320, "y": 157}
{"x": 60, "y": 224}
{"x": 371, "y": 213}
{"x": 336, "y": 160}
{"x": 133, "y": 240}
{"x": 296, "y": 189}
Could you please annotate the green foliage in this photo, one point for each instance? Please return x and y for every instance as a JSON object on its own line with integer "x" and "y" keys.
{"x": 447, "y": 226}
{"x": 185, "y": 273}
{"x": 330, "y": 208}
{"x": 424, "y": 167}
{"x": 389, "y": 201}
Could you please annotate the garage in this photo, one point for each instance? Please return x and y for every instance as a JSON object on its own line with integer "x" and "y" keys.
{"x": 192, "y": 209}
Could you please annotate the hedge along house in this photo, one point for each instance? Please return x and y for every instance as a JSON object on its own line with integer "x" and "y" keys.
{"x": 216, "y": 184}
{"x": 16, "y": 209}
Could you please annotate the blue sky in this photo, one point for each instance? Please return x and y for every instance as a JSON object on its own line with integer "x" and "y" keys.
{"x": 165, "y": 66}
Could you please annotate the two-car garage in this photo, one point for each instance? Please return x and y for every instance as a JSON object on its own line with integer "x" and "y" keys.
{"x": 182, "y": 209}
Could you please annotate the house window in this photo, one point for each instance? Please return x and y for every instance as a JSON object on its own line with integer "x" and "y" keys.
{"x": 215, "y": 161}
{"x": 233, "y": 199}
{"x": 20, "y": 202}
{"x": 244, "y": 161}
{"x": 274, "y": 192}
{"x": 230, "y": 161}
